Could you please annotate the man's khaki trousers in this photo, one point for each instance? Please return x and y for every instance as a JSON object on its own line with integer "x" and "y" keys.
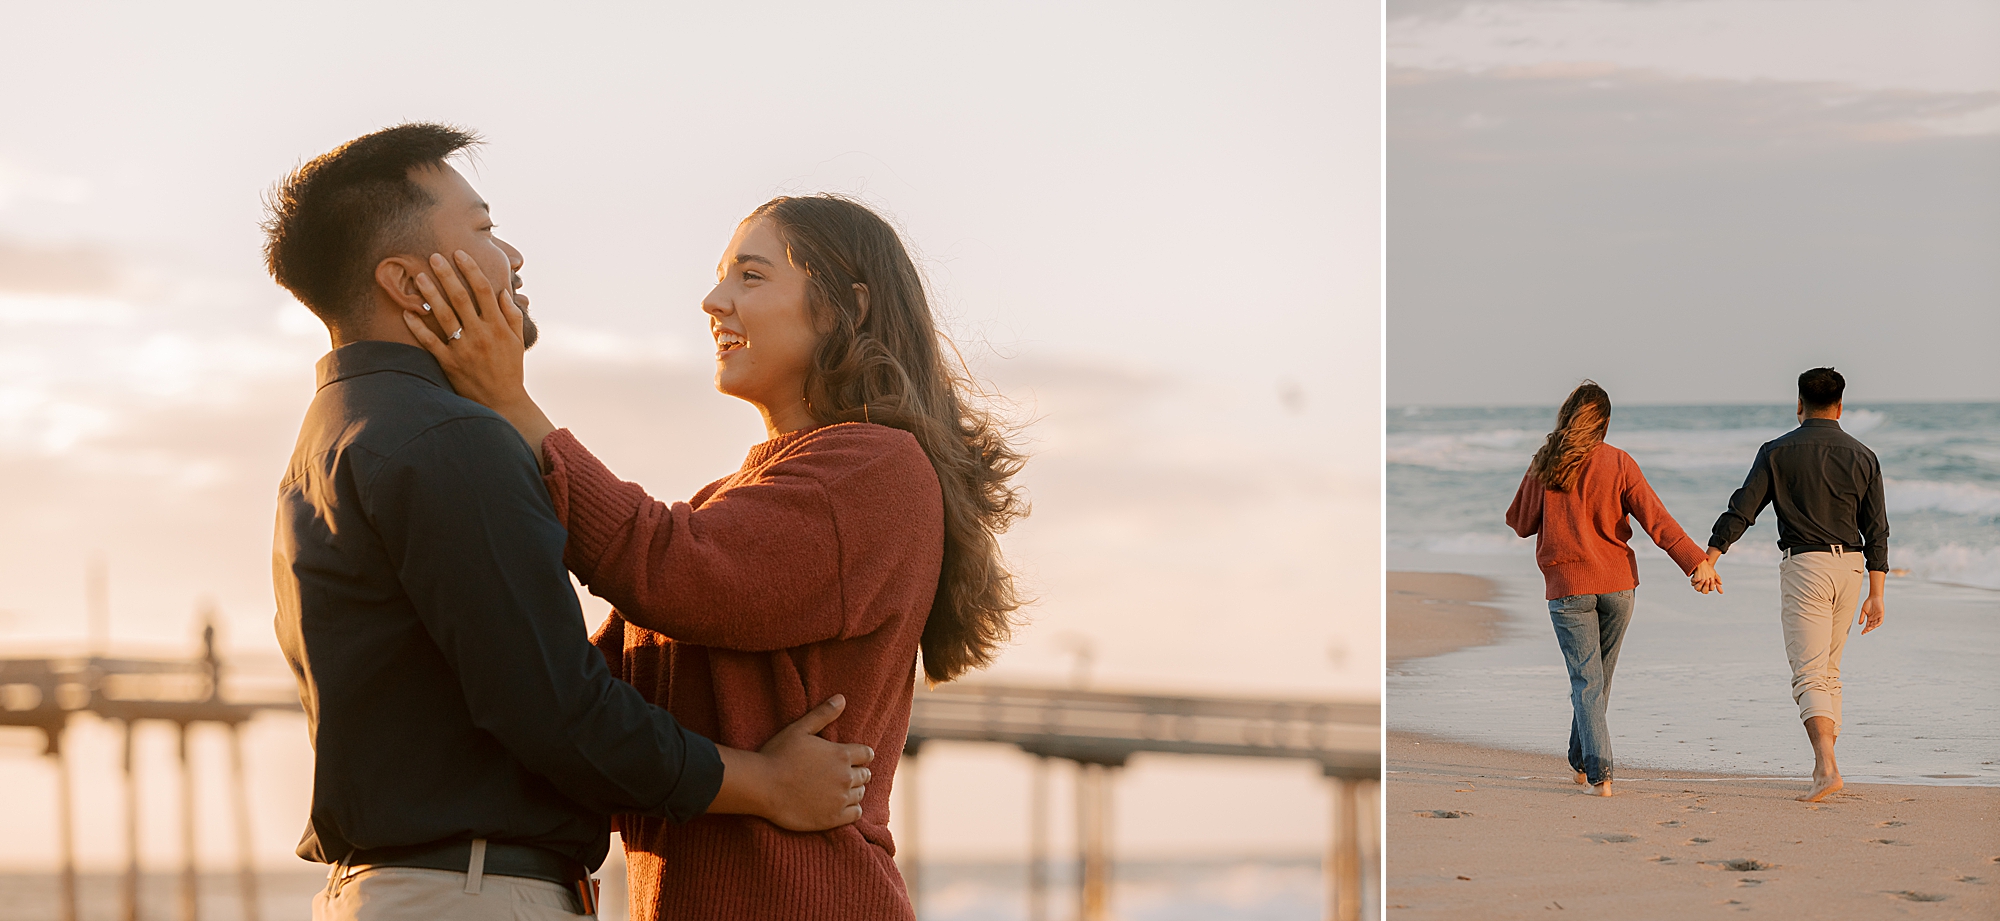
{"x": 1820, "y": 592}
{"x": 410, "y": 894}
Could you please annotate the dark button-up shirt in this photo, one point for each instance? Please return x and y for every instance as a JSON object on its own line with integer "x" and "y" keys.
{"x": 449, "y": 686}
{"x": 1828, "y": 490}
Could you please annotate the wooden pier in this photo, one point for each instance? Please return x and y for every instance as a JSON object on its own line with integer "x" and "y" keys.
{"x": 1100, "y": 731}
{"x": 44, "y": 693}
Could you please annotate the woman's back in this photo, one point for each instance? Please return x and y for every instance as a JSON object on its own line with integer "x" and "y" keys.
{"x": 1583, "y": 533}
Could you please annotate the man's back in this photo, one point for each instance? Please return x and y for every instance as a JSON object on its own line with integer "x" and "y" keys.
{"x": 448, "y": 683}
{"x": 1827, "y": 487}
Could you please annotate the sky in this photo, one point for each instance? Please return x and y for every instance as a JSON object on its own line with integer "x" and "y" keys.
{"x": 1691, "y": 201}
{"x": 1153, "y": 229}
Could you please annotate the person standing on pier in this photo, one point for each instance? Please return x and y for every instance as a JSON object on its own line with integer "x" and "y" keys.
{"x": 1833, "y": 528}
{"x": 469, "y": 744}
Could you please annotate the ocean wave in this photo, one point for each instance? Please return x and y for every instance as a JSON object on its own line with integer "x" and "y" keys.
{"x": 1957, "y": 564}
{"x": 1495, "y": 450}
{"x": 1903, "y": 496}
{"x": 1511, "y": 449}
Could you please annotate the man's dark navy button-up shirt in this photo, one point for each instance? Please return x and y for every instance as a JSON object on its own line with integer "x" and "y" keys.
{"x": 449, "y": 686}
{"x": 1828, "y": 490}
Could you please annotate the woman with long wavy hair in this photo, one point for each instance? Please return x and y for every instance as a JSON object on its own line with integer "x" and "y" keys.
{"x": 854, "y": 543}
{"x": 1576, "y": 500}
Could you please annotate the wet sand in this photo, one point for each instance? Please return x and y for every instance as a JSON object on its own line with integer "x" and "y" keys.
{"x": 1488, "y": 833}
{"x": 1432, "y": 613}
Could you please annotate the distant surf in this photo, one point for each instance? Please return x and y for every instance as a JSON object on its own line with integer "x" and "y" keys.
{"x": 1451, "y": 472}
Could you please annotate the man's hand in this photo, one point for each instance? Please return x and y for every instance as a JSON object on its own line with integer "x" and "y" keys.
{"x": 1704, "y": 578}
{"x": 1873, "y": 607}
{"x": 1871, "y": 613}
{"x": 798, "y": 780}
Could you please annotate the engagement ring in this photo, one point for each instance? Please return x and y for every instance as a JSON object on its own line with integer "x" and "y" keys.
{"x": 456, "y": 333}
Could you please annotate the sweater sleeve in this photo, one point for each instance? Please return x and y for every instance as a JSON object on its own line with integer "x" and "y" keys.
{"x": 1645, "y": 507}
{"x": 760, "y": 567}
{"x": 1525, "y": 514}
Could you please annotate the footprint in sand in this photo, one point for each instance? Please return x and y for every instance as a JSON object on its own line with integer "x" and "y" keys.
{"x": 1443, "y": 814}
{"x": 1890, "y": 824}
{"x": 1671, "y": 823}
{"x": 1747, "y": 881}
{"x": 1663, "y": 859}
{"x": 1698, "y": 840}
{"x": 1745, "y": 865}
{"x": 1968, "y": 879}
{"x": 1612, "y": 838}
{"x": 1908, "y": 896}
{"x": 1890, "y": 842}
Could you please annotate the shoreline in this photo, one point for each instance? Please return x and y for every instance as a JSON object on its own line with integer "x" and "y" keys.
{"x": 1438, "y": 612}
{"x": 1433, "y": 613}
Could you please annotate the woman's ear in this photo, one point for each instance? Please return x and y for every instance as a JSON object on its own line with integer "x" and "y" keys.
{"x": 861, "y": 302}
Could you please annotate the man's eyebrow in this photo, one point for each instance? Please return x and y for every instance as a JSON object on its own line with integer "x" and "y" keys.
{"x": 753, "y": 257}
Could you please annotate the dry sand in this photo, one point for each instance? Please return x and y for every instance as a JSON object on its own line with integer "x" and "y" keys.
{"x": 1432, "y": 613}
{"x": 1482, "y": 833}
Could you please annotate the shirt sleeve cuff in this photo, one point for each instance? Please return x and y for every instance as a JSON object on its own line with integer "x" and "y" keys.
{"x": 701, "y": 780}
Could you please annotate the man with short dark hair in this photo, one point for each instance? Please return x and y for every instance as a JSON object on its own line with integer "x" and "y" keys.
{"x": 469, "y": 743}
{"x": 1834, "y": 532}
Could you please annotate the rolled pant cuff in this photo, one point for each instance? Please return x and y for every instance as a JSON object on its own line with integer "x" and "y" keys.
{"x": 1806, "y": 713}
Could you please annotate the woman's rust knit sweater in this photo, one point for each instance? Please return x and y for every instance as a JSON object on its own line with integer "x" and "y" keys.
{"x": 1583, "y": 533}
{"x": 809, "y": 572}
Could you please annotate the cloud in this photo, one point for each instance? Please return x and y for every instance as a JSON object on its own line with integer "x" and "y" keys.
{"x": 55, "y": 268}
{"x": 1653, "y": 228}
{"x": 1599, "y": 113}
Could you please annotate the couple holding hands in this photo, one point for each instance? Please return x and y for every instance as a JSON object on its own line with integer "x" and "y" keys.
{"x": 740, "y": 715}
{"x": 1833, "y": 531}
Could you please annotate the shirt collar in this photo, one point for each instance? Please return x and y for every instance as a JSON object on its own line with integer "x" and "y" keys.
{"x": 370, "y": 356}
{"x": 1833, "y": 423}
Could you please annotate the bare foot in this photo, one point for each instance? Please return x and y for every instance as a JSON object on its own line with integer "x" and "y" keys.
{"x": 1603, "y": 789}
{"x": 1581, "y": 777}
{"x": 1821, "y": 789}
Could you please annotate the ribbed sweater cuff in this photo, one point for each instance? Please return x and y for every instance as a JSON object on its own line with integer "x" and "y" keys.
{"x": 590, "y": 500}
{"x": 1687, "y": 555}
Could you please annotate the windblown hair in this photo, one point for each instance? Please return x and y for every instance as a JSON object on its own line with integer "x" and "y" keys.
{"x": 338, "y": 215}
{"x": 1580, "y": 426}
{"x": 889, "y": 368}
{"x": 1821, "y": 388}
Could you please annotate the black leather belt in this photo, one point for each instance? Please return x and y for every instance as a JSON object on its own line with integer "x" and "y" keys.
{"x": 1820, "y": 548}
{"x": 523, "y": 860}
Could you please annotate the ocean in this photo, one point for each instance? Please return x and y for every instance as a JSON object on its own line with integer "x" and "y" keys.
{"x": 1702, "y": 681}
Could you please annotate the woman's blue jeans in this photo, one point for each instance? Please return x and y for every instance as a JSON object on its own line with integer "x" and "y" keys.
{"x": 1589, "y": 629}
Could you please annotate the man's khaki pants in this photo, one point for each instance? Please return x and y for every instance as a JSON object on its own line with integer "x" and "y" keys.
{"x": 1820, "y": 592}
{"x": 413, "y": 894}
